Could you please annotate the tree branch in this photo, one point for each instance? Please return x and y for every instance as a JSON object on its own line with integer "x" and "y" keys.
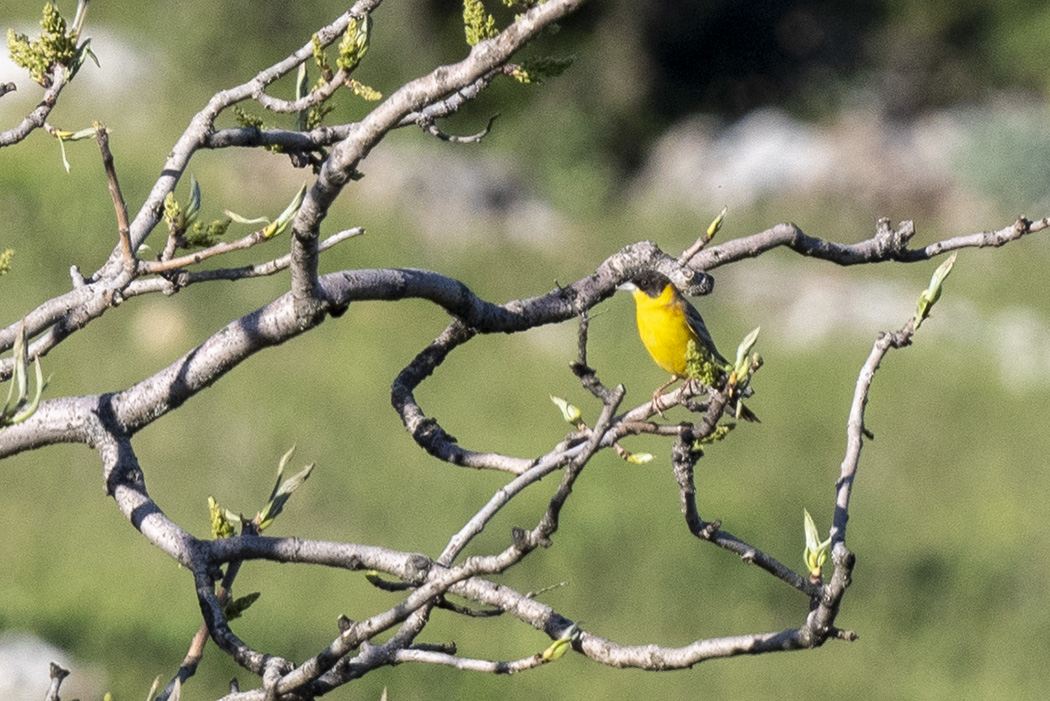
{"x": 37, "y": 118}
{"x": 121, "y": 207}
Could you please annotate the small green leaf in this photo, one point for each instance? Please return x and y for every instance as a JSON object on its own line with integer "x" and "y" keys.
{"x": 41, "y": 384}
{"x": 302, "y": 89}
{"x": 315, "y": 116}
{"x": 282, "y": 491}
{"x": 244, "y": 220}
{"x": 742, "y": 366}
{"x": 720, "y": 432}
{"x": 816, "y": 552}
{"x": 281, "y": 224}
{"x": 354, "y": 44}
{"x": 931, "y": 294}
{"x": 639, "y": 458}
{"x": 86, "y": 133}
{"x": 18, "y": 406}
{"x": 83, "y": 52}
{"x": 562, "y": 645}
{"x": 21, "y": 358}
{"x": 245, "y": 120}
{"x": 237, "y": 607}
{"x": 221, "y": 524}
{"x": 62, "y": 149}
{"x": 193, "y": 207}
{"x": 364, "y": 92}
{"x": 570, "y": 413}
{"x": 153, "y": 688}
{"x": 64, "y": 136}
{"x": 321, "y": 59}
{"x": 173, "y": 215}
{"x": 536, "y": 70}
{"x": 477, "y": 22}
{"x": 180, "y": 218}
{"x": 714, "y": 226}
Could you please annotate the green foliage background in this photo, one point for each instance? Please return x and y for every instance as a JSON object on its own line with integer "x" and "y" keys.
{"x": 948, "y": 521}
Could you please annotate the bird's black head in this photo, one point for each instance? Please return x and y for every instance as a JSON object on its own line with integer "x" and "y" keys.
{"x": 651, "y": 282}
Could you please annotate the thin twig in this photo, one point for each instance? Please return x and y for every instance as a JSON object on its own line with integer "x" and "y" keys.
{"x": 316, "y": 97}
{"x": 121, "y": 207}
{"x": 184, "y": 278}
{"x": 855, "y": 429}
{"x": 58, "y": 675}
{"x": 703, "y": 240}
{"x": 36, "y": 118}
{"x": 427, "y": 125}
{"x": 151, "y": 267}
{"x": 683, "y": 459}
{"x": 195, "y": 654}
{"x": 468, "y": 664}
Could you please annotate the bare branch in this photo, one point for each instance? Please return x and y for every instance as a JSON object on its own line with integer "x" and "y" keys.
{"x": 160, "y": 266}
{"x": 428, "y": 126}
{"x": 121, "y": 207}
{"x": 58, "y": 675}
{"x": 341, "y": 164}
{"x": 37, "y": 118}
{"x": 202, "y": 124}
{"x": 171, "y": 283}
{"x": 450, "y": 104}
{"x": 683, "y": 458}
{"x": 855, "y": 429}
{"x": 887, "y": 244}
{"x": 419, "y": 585}
{"x": 315, "y": 98}
{"x": 288, "y": 140}
{"x": 650, "y": 657}
{"x": 467, "y": 664}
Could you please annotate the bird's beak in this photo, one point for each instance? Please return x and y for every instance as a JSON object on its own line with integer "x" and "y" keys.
{"x": 627, "y": 286}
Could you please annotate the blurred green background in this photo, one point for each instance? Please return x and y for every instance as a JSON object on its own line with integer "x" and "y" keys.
{"x": 829, "y": 114}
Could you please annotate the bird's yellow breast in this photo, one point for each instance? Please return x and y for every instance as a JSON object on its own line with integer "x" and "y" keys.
{"x": 664, "y": 329}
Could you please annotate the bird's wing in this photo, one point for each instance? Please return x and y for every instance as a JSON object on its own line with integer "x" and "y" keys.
{"x": 696, "y": 322}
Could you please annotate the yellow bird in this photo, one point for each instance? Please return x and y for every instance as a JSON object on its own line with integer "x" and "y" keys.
{"x": 666, "y": 324}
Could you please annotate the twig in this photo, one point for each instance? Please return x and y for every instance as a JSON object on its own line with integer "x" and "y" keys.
{"x": 36, "y": 118}
{"x": 121, "y": 207}
{"x": 171, "y": 283}
{"x": 439, "y": 582}
{"x": 703, "y": 240}
{"x": 57, "y": 676}
{"x": 450, "y": 104}
{"x": 683, "y": 459}
{"x": 427, "y": 432}
{"x": 525, "y": 542}
{"x": 316, "y": 97}
{"x": 444, "y": 604}
{"x": 586, "y": 374}
{"x": 855, "y": 429}
{"x": 468, "y": 664}
{"x": 887, "y": 244}
{"x": 151, "y": 267}
{"x": 428, "y": 126}
{"x": 195, "y": 654}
